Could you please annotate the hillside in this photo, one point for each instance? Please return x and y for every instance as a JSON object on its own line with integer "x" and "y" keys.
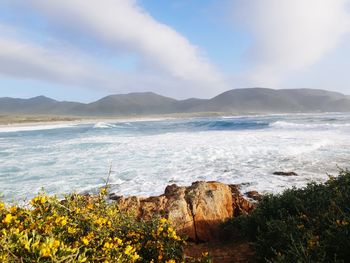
{"x": 236, "y": 101}
{"x": 260, "y": 100}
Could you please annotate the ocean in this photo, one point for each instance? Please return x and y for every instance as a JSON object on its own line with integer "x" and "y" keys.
{"x": 148, "y": 155}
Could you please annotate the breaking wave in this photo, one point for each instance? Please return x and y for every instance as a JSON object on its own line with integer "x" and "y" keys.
{"x": 308, "y": 126}
{"x": 146, "y": 156}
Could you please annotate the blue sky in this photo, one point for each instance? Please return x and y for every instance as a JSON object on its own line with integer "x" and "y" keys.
{"x": 85, "y": 49}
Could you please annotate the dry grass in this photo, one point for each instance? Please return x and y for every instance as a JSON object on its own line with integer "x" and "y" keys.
{"x": 7, "y": 119}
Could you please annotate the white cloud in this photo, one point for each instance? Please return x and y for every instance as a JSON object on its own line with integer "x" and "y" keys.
{"x": 24, "y": 59}
{"x": 123, "y": 25}
{"x": 290, "y": 35}
{"x": 166, "y": 62}
{"x": 21, "y": 58}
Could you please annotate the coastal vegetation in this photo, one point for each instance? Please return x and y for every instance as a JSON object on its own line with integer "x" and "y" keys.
{"x": 83, "y": 229}
{"x": 311, "y": 224}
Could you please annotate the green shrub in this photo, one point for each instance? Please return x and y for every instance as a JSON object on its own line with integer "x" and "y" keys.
{"x": 301, "y": 225}
{"x": 83, "y": 229}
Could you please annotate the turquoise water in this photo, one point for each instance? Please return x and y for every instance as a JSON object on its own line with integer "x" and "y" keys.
{"x": 148, "y": 155}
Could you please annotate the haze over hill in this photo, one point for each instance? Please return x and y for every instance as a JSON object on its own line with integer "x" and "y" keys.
{"x": 236, "y": 101}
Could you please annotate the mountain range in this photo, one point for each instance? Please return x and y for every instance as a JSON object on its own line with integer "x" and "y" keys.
{"x": 236, "y": 101}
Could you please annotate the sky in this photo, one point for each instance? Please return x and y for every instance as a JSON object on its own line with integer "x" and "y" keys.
{"x": 83, "y": 50}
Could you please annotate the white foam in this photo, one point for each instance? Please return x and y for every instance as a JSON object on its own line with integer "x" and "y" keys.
{"x": 308, "y": 126}
{"x": 103, "y": 125}
{"x": 34, "y": 127}
{"x": 145, "y": 164}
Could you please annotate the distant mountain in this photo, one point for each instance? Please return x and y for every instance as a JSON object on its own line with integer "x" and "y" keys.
{"x": 236, "y": 101}
{"x": 38, "y": 105}
{"x": 133, "y": 103}
{"x": 261, "y": 100}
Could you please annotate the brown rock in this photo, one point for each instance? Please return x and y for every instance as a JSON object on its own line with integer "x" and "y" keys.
{"x": 179, "y": 211}
{"x": 129, "y": 204}
{"x": 211, "y": 205}
{"x": 254, "y": 195}
{"x": 286, "y": 173}
{"x": 195, "y": 211}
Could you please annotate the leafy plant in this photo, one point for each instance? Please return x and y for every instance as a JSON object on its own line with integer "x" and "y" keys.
{"x": 83, "y": 229}
{"x": 301, "y": 225}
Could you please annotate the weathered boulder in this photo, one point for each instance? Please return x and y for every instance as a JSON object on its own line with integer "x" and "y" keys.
{"x": 195, "y": 211}
{"x": 211, "y": 204}
{"x": 179, "y": 212}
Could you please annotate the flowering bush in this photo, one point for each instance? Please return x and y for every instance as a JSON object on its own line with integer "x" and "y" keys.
{"x": 83, "y": 229}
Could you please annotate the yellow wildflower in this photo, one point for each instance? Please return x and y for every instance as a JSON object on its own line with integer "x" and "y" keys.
{"x": 163, "y": 220}
{"x": 36, "y": 244}
{"x": 27, "y": 246}
{"x": 42, "y": 199}
{"x": 71, "y": 230}
{"x": 62, "y": 221}
{"x": 128, "y": 250}
{"x": 107, "y": 246}
{"x": 8, "y": 219}
{"x": 104, "y": 191}
{"x": 85, "y": 240}
{"x": 45, "y": 251}
{"x": 56, "y": 243}
{"x": 118, "y": 241}
{"x": 13, "y": 209}
{"x": 135, "y": 257}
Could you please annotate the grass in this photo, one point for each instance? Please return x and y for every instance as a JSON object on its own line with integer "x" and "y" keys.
{"x": 300, "y": 225}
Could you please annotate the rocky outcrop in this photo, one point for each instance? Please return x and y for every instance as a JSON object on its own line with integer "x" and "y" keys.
{"x": 286, "y": 173}
{"x": 255, "y": 195}
{"x": 195, "y": 211}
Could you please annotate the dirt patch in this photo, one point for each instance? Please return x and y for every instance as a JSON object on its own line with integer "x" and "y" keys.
{"x": 223, "y": 252}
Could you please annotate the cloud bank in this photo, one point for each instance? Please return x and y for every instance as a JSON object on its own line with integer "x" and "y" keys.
{"x": 122, "y": 27}
{"x": 290, "y": 35}
{"x": 116, "y": 46}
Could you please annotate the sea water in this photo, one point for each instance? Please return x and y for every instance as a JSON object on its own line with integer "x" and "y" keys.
{"x": 146, "y": 156}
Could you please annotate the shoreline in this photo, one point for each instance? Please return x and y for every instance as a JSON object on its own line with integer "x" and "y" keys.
{"x": 19, "y": 120}
{"x": 25, "y": 120}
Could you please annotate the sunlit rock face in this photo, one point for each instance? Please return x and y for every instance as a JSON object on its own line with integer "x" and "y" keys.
{"x": 195, "y": 211}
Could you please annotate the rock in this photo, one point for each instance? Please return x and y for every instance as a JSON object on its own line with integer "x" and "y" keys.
{"x": 114, "y": 197}
{"x": 254, "y": 195}
{"x": 210, "y": 204}
{"x": 179, "y": 212}
{"x": 286, "y": 173}
{"x": 195, "y": 211}
{"x": 235, "y": 188}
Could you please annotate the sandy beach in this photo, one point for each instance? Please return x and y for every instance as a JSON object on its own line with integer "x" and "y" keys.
{"x": 19, "y": 120}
